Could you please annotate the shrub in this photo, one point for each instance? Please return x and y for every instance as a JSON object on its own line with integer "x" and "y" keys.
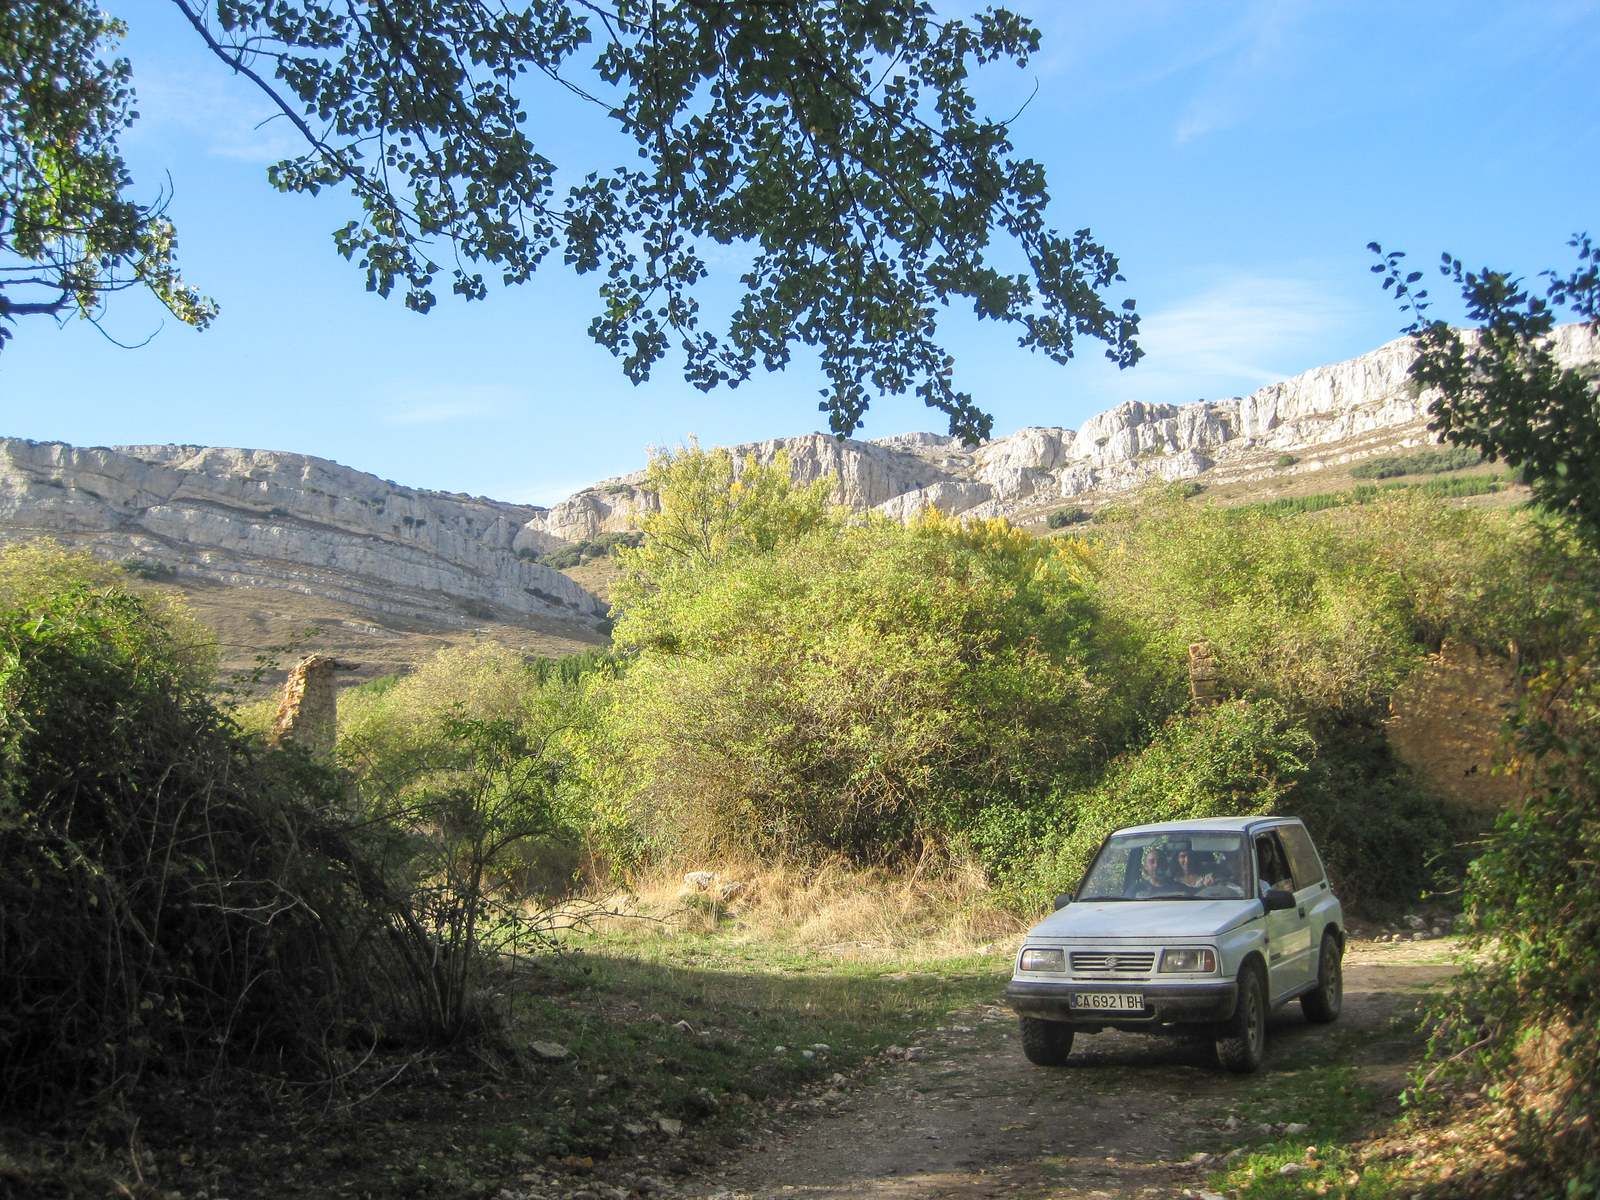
{"x": 1063, "y": 517}
{"x": 1432, "y": 461}
{"x": 864, "y": 690}
{"x": 169, "y": 892}
{"x": 1235, "y": 758}
{"x": 1526, "y": 1011}
{"x": 1284, "y": 460}
{"x": 462, "y": 766}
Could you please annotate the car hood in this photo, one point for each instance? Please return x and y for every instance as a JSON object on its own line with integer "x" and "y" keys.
{"x": 1146, "y": 918}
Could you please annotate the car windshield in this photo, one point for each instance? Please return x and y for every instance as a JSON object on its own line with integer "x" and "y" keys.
{"x": 1182, "y": 864}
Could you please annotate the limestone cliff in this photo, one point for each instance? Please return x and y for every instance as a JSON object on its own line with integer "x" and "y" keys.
{"x": 261, "y": 518}
{"x": 1315, "y": 413}
{"x": 269, "y": 520}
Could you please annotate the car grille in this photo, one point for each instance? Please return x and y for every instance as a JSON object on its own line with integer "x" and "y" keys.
{"x": 1113, "y": 964}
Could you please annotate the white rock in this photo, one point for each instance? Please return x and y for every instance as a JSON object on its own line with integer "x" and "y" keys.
{"x": 550, "y": 1051}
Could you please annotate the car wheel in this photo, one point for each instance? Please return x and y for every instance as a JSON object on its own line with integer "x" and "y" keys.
{"x": 1242, "y": 1040}
{"x": 1322, "y": 1004}
{"x": 1046, "y": 1043}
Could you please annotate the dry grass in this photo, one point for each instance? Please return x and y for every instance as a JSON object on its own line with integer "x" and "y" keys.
{"x": 832, "y": 908}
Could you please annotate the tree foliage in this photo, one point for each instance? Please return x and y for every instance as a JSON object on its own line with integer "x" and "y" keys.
{"x": 70, "y": 234}
{"x": 1526, "y": 1012}
{"x": 861, "y": 689}
{"x": 170, "y": 892}
{"x": 834, "y": 149}
{"x": 1501, "y": 388}
{"x": 707, "y": 507}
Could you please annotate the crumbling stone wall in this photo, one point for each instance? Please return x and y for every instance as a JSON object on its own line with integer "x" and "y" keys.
{"x": 308, "y": 706}
{"x": 1445, "y": 724}
{"x": 1204, "y": 689}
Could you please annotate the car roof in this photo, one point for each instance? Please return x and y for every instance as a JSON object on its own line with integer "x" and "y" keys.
{"x": 1213, "y": 824}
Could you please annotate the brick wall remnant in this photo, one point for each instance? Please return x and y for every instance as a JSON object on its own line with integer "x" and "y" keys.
{"x": 308, "y": 706}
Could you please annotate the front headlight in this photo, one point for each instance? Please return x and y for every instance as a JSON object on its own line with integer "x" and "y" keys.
{"x": 1043, "y": 960}
{"x": 1200, "y": 960}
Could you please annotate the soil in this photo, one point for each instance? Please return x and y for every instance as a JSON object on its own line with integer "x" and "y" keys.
{"x": 967, "y": 1116}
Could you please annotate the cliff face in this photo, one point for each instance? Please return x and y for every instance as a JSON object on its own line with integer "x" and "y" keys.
{"x": 1114, "y": 451}
{"x": 267, "y": 519}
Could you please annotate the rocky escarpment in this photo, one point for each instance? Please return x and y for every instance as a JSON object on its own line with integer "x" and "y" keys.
{"x": 1114, "y": 451}
{"x": 258, "y": 519}
{"x": 266, "y": 519}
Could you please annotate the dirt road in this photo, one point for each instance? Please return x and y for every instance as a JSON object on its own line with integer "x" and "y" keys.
{"x": 966, "y": 1116}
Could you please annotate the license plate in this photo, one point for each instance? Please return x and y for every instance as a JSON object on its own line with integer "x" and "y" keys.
{"x": 1109, "y": 1001}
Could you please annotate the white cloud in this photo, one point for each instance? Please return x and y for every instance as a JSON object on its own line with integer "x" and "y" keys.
{"x": 1238, "y": 334}
{"x": 445, "y": 405}
{"x": 1261, "y": 53}
{"x": 227, "y": 117}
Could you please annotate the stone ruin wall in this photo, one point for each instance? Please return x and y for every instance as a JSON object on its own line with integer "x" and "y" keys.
{"x": 308, "y": 706}
{"x": 1445, "y": 724}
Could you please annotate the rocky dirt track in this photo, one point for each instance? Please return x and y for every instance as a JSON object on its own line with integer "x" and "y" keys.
{"x": 964, "y": 1115}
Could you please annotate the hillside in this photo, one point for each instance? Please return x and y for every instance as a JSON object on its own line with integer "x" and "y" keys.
{"x": 270, "y": 545}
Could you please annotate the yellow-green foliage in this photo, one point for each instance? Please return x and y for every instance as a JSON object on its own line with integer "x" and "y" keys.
{"x": 31, "y": 571}
{"x": 473, "y": 749}
{"x": 708, "y": 510}
{"x": 860, "y": 687}
{"x": 1303, "y": 610}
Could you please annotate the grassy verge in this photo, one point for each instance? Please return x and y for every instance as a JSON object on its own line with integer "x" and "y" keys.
{"x": 1324, "y": 1111}
{"x": 698, "y": 1028}
{"x": 668, "y": 1043}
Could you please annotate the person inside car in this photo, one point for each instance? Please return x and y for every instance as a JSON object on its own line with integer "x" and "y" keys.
{"x": 1153, "y": 875}
{"x": 1189, "y": 870}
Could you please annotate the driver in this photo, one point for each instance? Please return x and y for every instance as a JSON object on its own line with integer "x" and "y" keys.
{"x": 1153, "y": 875}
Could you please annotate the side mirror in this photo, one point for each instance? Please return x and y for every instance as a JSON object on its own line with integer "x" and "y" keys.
{"x": 1063, "y": 900}
{"x": 1277, "y": 900}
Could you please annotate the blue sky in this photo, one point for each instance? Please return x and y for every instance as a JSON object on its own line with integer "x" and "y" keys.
{"x": 1238, "y": 157}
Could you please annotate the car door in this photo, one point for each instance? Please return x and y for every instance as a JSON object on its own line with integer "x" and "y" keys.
{"x": 1289, "y": 958}
{"x": 1311, "y": 885}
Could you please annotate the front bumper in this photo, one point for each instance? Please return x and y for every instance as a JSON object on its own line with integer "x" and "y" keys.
{"x": 1164, "y": 1003}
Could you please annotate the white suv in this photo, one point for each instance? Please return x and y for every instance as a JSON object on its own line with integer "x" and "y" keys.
{"x": 1211, "y": 922}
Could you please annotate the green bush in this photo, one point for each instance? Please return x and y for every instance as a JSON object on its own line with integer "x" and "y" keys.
{"x": 862, "y": 689}
{"x": 1526, "y": 1011}
{"x": 1064, "y": 517}
{"x": 587, "y": 550}
{"x": 1432, "y": 461}
{"x": 1284, "y": 460}
{"x": 1235, "y": 758}
{"x": 169, "y": 892}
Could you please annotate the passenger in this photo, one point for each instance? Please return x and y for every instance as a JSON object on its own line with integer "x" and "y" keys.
{"x": 1189, "y": 872}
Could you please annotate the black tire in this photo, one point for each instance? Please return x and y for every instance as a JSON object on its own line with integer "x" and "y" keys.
{"x": 1046, "y": 1043}
{"x": 1322, "y": 1003}
{"x": 1242, "y": 1038}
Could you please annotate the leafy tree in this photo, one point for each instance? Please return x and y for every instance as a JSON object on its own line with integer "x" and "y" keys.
{"x": 1501, "y": 387}
{"x": 69, "y": 233}
{"x": 862, "y": 689}
{"x": 1526, "y": 1011}
{"x": 837, "y": 144}
{"x": 710, "y": 507}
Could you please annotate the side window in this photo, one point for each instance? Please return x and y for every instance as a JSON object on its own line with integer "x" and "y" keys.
{"x": 1302, "y": 856}
{"x": 1272, "y": 866}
